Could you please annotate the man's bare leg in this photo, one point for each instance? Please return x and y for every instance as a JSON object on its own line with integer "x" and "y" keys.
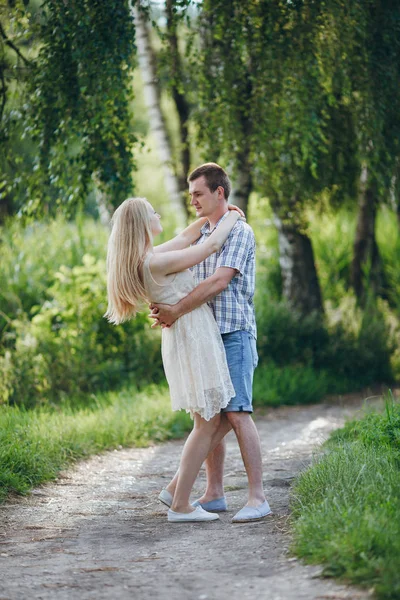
{"x": 215, "y": 474}
{"x": 250, "y": 448}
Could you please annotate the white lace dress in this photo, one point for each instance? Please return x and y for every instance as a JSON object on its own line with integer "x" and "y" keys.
{"x": 192, "y": 350}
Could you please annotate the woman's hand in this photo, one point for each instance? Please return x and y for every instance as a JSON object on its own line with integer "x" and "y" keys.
{"x": 163, "y": 314}
{"x": 239, "y": 210}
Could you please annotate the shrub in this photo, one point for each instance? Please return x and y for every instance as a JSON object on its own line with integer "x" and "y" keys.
{"x": 68, "y": 348}
{"x": 31, "y": 256}
{"x": 275, "y": 385}
{"x": 332, "y": 355}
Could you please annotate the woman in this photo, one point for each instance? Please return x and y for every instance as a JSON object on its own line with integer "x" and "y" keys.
{"x": 192, "y": 350}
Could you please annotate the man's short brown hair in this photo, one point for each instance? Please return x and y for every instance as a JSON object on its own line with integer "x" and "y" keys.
{"x": 215, "y": 177}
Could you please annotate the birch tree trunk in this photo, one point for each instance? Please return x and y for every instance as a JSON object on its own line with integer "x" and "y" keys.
{"x": 299, "y": 275}
{"x": 366, "y": 264}
{"x": 182, "y": 105}
{"x": 156, "y": 119}
{"x": 104, "y": 207}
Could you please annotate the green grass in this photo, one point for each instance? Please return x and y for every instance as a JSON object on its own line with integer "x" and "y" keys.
{"x": 36, "y": 444}
{"x": 347, "y": 505}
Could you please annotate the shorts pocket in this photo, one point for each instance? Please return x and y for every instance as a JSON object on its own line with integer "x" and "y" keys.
{"x": 253, "y": 346}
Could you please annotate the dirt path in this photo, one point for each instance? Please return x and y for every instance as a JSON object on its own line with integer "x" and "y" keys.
{"x": 99, "y": 531}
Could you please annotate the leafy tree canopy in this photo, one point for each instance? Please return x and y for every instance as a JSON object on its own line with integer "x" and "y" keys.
{"x": 76, "y": 103}
{"x": 301, "y": 84}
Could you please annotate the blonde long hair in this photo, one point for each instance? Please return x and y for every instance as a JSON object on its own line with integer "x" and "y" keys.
{"x": 129, "y": 242}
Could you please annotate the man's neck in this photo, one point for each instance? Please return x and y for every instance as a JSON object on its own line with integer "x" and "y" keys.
{"x": 217, "y": 214}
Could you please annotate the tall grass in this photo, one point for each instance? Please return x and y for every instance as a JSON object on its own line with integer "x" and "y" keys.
{"x": 347, "y": 505}
{"x": 36, "y": 444}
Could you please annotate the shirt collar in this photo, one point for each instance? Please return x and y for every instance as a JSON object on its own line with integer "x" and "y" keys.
{"x": 205, "y": 230}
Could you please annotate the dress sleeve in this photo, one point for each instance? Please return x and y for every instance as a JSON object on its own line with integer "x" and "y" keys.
{"x": 237, "y": 248}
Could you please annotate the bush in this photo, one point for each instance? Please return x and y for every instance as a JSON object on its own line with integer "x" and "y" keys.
{"x": 67, "y": 348}
{"x": 31, "y": 256}
{"x": 55, "y": 341}
{"x": 343, "y": 352}
{"x": 275, "y": 385}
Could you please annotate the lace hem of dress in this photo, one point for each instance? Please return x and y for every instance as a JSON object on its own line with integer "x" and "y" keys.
{"x": 215, "y": 400}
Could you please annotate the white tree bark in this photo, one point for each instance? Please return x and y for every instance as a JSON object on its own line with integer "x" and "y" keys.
{"x": 103, "y": 207}
{"x": 300, "y": 284}
{"x": 156, "y": 119}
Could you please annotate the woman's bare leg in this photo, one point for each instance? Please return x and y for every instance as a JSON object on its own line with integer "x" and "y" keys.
{"x": 219, "y": 434}
{"x": 194, "y": 453}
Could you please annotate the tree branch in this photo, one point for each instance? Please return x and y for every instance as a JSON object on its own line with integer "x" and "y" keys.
{"x": 3, "y": 93}
{"x": 9, "y": 43}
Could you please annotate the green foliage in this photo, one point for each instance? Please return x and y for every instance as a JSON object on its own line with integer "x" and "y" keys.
{"x": 31, "y": 256}
{"x": 332, "y": 236}
{"x": 292, "y": 90}
{"x": 68, "y": 348}
{"x": 293, "y": 384}
{"x": 16, "y": 55}
{"x": 303, "y": 359}
{"x": 269, "y": 275}
{"x": 388, "y": 239}
{"x": 374, "y": 430}
{"x": 75, "y": 105}
{"x": 347, "y": 505}
{"x": 55, "y": 340}
{"x": 263, "y": 92}
{"x": 36, "y": 444}
{"x": 350, "y": 348}
{"x": 352, "y": 357}
{"x": 81, "y": 91}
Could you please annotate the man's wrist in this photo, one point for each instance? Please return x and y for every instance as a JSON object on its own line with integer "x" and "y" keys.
{"x": 177, "y": 310}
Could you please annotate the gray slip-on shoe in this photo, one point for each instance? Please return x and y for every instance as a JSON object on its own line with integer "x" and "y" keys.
{"x": 165, "y": 497}
{"x": 218, "y": 505}
{"x": 252, "y": 513}
{"x": 197, "y": 516}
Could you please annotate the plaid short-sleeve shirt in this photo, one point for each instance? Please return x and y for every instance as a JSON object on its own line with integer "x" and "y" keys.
{"x": 233, "y": 308}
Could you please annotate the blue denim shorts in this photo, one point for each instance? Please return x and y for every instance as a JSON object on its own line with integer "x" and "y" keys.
{"x": 242, "y": 358}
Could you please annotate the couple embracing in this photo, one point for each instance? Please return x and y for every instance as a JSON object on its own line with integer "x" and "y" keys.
{"x": 208, "y": 336}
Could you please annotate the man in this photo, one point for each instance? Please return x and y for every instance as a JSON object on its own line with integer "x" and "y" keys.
{"x": 226, "y": 281}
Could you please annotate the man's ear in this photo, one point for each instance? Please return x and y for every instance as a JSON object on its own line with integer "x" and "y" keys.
{"x": 221, "y": 192}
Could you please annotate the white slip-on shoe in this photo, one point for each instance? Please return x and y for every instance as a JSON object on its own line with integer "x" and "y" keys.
{"x": 165, "y": 497}
{"x": 197, "y": 516}
{"x": 252, "y": 513}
